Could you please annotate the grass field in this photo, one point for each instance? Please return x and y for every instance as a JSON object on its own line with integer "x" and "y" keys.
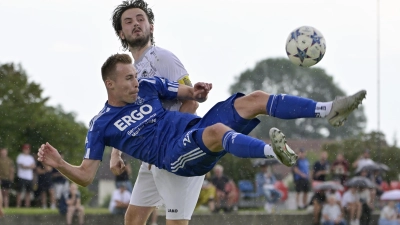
{"x": 40, "y": 211}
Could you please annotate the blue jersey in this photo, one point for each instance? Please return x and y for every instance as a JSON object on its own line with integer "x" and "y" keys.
{"x": 142, "y": 129}
{"x": 170, "y": 140}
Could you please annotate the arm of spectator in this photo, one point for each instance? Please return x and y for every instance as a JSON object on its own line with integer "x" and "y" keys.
{"x": 32, "y": 166}
{"x": 120, "y": 204}
{"x": 297, "y": 171}
{"x": 313, "y": 174}
{"x": 71, "y": 200}
{"x": 325, "y": 213}
{"x": 78, "y": 202}
{"x": 355, "y": 163}
{"x": 12, "y": 173}
{"x": 39, "y": 169}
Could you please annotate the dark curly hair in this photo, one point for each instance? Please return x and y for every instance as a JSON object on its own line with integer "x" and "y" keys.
{"x": 130, "y": 4}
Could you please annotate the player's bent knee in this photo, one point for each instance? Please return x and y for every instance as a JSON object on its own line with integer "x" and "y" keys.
{"x": 259, "y": 95}
{"x": 217, "y": 130}
{"x": 212, "y": 136}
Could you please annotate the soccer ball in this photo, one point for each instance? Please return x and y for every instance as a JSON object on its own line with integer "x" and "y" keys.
{"x": 305, "y": 46}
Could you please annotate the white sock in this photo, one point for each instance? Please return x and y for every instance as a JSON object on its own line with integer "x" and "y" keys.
{"x": 269, "y": 152}
{"x": 322, "y": 109}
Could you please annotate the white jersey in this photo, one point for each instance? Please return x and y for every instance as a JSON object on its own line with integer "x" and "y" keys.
{"x": 157, "y": 186}
{"x": 156, "y": 59}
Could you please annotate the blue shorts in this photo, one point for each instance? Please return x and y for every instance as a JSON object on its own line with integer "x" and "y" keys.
{"x": 187, "y": 157}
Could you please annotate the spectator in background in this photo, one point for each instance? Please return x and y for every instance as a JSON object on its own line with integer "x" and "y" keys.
{"x": 332, "y": 213}
{"x": 26, "y": 165}
{"x": 1, "y": 204}
{"x": 352, "y": 206}
{"x": 336, "y": 194}
{"x": 317, "y": 201}
{"x": 74, "y": 205}
{"x": 321, "y": 168}
{"x": 362, "y": 160}
{"x": 207, "y": 193}
{"x": 45, "y": 185}
{"x": 388, "y": 215}
{"x": 60, "y": 184}
{"x": 364, "y": 196}
{"x": 227, "y": 194}
{"x": 124, "y": 177}
{"x": 120, "y": 200}
{"x": 7, "y": 171}
{"x": 301, "y": 179}
{"x": 340, "y": 168}
{"x": 265, "y": 183}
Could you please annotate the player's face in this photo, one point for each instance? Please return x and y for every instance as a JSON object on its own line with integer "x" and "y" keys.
{"x": 136, "y": 29}
{"x": 125, "y": 87}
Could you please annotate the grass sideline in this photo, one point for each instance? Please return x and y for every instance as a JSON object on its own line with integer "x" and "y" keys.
{"x": 40, "y": 211}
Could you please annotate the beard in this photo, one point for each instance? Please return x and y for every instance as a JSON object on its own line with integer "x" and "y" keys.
{"x": 139, "y": 42}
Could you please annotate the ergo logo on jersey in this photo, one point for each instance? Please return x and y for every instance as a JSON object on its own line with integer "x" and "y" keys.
{"x": 135, "y": 115}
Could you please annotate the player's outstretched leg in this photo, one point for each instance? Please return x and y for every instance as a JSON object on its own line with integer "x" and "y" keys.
{"x": 343, "y": 106}
{"x": 292, "y": 107}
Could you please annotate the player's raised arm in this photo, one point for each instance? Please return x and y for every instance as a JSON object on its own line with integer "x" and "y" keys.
{"x": 82, "y": 175}
{"x": 188, "y": 106}
{"x": 198, "y": 93}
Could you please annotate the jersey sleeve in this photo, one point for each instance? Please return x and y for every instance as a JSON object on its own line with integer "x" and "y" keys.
{"x": 94, "y": 143}
{"x": 165, "y": 89}
{"x": 170, "y": 67}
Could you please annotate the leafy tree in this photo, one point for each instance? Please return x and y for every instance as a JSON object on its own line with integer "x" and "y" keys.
{"x": 281, "y": 76}
{"x": 25, "y": 118}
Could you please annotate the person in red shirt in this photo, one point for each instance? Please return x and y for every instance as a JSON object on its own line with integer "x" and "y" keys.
{"x": 340, "y": 168}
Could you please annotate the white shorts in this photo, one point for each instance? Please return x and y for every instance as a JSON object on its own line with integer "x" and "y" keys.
{"x": 156, "y": 187}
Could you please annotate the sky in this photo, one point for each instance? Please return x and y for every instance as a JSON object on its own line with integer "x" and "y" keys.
{"x": 63, "y": 43}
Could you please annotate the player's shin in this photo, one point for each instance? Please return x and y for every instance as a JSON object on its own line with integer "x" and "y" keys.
{"x": 244, "y": 146}
{"x": 292, "y": 107}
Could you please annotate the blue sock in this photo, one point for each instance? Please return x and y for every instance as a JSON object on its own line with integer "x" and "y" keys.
{"x": 290, "y": 107}
{"x": 243, "y": 146}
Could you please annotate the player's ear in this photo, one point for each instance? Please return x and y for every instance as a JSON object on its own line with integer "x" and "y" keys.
{"x": 121, "y": 35}
{"x": 109, "y": 84}
{"x": 151, "y": 28}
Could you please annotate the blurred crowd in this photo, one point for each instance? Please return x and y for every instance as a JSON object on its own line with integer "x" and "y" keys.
{"x": 34, "y": 184}
{"x": 333, "y": 194}
{"x": 339, "y": 197}
{"x": 329, "y": 190}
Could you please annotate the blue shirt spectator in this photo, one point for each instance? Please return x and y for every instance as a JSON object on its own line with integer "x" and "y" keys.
{"x": 303, "y": 165}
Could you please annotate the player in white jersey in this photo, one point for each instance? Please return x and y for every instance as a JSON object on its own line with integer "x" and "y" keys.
{"x": 133, "y": 22}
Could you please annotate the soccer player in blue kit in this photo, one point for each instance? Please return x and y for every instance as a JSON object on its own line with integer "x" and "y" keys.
{"x": 134, "y": 121}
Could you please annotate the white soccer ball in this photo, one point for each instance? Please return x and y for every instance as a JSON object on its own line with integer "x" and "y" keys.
{"x": 305, "y": 46}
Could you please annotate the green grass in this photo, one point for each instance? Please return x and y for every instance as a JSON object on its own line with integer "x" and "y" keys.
{"x": 39, "y": 211}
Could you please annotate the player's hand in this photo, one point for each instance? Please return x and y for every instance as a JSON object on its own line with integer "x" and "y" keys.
{"x": 49, "y": 156}
{"x": 201, "y": 90}
{"x": 117, "y": 165}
